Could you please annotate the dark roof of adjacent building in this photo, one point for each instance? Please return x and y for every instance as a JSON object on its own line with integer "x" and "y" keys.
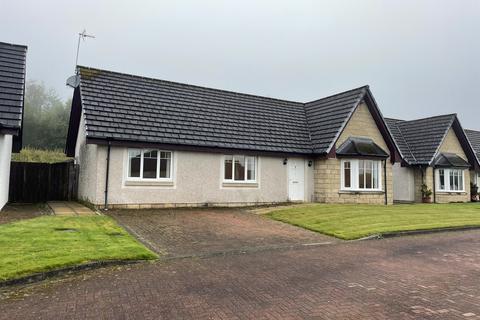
{"x": 12, "y": 87}
{"x": 121, "y": 107}
{"x": 419, "y": 140}
{"x": 12, "y": 84}
{"x": 474, "y": 138}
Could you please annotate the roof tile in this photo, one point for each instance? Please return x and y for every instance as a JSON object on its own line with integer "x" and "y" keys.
{"x": 140, "y": 109}
{"x": 12, "y": 84}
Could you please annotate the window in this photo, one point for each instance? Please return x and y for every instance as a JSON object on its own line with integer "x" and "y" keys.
{"x": 347, "y": 181}
{"x": 441, "y": 174}
{"x": 451, "y": 180}
{"x": 239, "y": 169}
{"x": 149, "y": 164}
{"x": 361, "y": 175}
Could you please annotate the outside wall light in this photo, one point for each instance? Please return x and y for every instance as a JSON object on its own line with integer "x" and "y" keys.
{"x": 285, "y": 161}
{"x": 310, "y": 162}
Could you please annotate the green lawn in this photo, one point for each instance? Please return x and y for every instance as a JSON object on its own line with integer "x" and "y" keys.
{"x": 47, "y": 243}
{"x": 357, "y": 221}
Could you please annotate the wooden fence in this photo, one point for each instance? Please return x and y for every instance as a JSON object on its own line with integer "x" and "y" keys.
{"x": 39, "y": 182}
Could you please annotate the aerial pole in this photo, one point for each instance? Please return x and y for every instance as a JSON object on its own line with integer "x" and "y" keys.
{"x": 74, "y": 80}
{"x": 81, "y": 36}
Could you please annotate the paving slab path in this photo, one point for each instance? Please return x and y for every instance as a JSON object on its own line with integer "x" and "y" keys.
{"x": 69, "y": 208}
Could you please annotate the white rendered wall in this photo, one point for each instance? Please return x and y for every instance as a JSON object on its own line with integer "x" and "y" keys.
{"x": 5, "y": 158}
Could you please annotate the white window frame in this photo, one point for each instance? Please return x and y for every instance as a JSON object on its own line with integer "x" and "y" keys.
{"x": 354, "y": 171}
{"x": 158, "y": 178}
{"x": 233, "y": 169}
{"x": 446, "y": 173}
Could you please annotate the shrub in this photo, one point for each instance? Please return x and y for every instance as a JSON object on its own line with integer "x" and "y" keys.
{"x": 39, "y": 155}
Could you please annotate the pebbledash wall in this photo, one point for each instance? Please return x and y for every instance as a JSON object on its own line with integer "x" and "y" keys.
{"x": 197, "y": 180}
{"x": 425, "y": 175}
{"x": 327, "y": 171}
{"x": 5, "y": 158}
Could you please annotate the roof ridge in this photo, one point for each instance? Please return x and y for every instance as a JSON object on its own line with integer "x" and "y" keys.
{"x": 396, "y": 119}
{"x": 339, "y": 93}
{"x": 14, "y": 45}
{"x": 471, "y": 130}
{"x": 191, "y": 85}
{"x": 431, "y": 117}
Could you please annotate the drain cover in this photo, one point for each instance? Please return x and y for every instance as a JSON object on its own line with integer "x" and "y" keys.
{"x": 66, "y": 229}
{"x": 115, "y": 234}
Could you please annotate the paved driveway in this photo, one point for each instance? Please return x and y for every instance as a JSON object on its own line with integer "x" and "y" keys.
{"x": 418, "y": 277}
{"x": 203, "y": 232}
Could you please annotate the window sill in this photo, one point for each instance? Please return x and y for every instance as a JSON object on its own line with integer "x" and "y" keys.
{"x": 240, "y": 185}
{"x": 361, "y": 192}
{"x": 149, "y": 183}
{"x": 451, "y": 192}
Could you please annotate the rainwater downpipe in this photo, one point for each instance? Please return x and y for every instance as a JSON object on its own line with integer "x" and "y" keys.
{"x": 385, "y": 180}
{"x": 105, "y": 207}
{"x": 434, "y": 187}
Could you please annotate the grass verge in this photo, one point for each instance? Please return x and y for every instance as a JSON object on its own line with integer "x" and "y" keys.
{"x": 356, "y": 221}
{"x": 49, "y": 243}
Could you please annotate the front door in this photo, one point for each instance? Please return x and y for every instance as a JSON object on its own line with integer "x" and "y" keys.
{"x": 296, "y": 179}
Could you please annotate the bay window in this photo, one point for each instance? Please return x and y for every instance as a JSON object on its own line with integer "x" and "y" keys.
{"x": 450, "y": 180}
{"x": 361, "y": 175}
{"x": 149, "y": 164}
{"x": 238, "y": 168}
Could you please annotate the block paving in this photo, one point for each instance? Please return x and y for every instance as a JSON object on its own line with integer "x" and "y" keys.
{"x": 432, "y": 276}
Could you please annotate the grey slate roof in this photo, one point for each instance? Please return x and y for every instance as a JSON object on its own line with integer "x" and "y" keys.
{"x": 131, "y": 108}
{"x": 326, "y": 117}
{"x": 12, "y": 85}
{"x": 419, "y": 140}
{"x": 474, "y": 138}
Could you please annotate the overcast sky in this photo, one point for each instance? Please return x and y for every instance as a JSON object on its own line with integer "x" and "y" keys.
{"x": 420, "y": 58}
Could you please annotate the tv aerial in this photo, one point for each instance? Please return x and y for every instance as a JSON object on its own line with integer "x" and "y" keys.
{"x": 74, "y": 80}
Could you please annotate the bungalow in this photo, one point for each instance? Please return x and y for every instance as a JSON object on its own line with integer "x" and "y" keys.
{"x": 436, "y": 153}
{"x": 12, "y": 87}
{"x": 148, "y": 143}
{"x": 474, "y": 138}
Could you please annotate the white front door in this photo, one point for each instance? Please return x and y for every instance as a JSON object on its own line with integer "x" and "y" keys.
{"x": 296, "y": 179}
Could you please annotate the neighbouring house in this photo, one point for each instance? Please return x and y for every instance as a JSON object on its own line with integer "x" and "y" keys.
{"x": 148, "y": 143}
{"x": 435, "y": 152}
{"x": 12, "y": 88}
{"x": 474, "y": 138}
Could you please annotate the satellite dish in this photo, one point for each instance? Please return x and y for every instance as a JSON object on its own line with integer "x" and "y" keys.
{"x": 73, "y": 81}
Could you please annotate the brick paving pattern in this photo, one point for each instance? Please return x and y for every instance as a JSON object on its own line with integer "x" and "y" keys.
{"x": 432, "y": 276}
{"x": 208, "y": 231}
